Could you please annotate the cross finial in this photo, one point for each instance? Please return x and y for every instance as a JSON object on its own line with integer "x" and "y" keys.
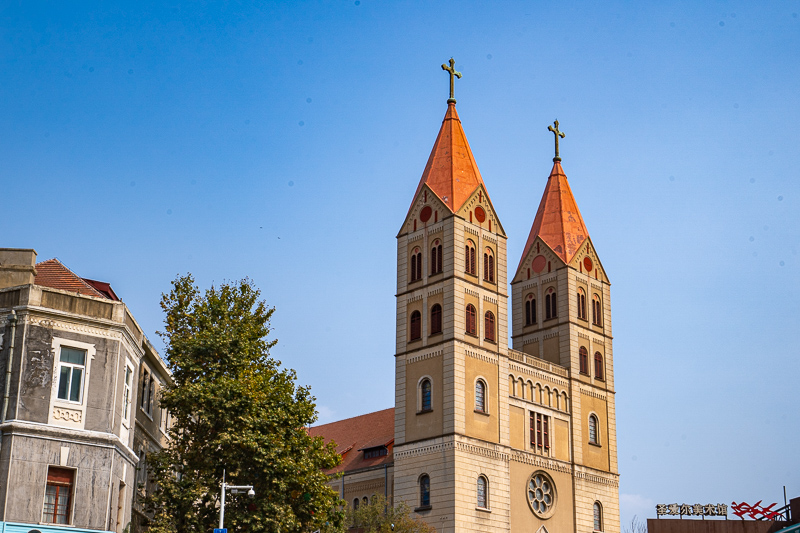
{"x": 453, "y": 75}
{"x": 557, "y": 134}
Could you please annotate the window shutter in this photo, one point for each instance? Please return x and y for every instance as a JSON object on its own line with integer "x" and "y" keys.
{"x": 546, "y": 433}
{"x": 486, "y": 267}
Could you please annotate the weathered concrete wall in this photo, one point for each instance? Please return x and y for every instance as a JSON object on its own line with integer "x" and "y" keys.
{"x": 16, "y": 267}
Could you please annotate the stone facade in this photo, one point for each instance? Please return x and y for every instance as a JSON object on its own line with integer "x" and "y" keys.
{"x": 80, "y": 386}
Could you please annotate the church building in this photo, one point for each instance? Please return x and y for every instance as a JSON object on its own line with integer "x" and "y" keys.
{"x": 488, "y": 437}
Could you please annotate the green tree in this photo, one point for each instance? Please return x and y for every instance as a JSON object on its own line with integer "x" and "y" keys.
{"x": 378, "y": 517}
{"x": 233, "y": 407}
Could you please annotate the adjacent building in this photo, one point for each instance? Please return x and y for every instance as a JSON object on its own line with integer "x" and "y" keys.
{"x": 80, "y": 385}
{"x": 489, "y": 437}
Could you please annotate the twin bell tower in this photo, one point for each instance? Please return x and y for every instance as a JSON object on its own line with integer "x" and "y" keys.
{"x": 490, "y": 437}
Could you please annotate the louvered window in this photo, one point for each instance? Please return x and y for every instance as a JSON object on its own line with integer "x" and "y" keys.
{"x": 436, "y": 258}
{"x": 583, "y": 360}
{"x": 581, "y": 304}
{"x": 596, "y": 311}
{"x": 471, "y": 320}
{"x": 489, "y": 326}
{"x": 416, "y": 326}
{"x": 598, "y": 365}
{"x": 530, "y": 311}
{"x": 469, "y": 258}
{"x": 436, "y": 319}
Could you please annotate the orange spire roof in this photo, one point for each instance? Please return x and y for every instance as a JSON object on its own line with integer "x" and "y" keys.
{"x": 451, "y": 171}
{"x": 558, "y": 221}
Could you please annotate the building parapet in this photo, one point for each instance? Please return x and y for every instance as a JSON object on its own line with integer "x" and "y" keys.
{"x": 535, "y": 362}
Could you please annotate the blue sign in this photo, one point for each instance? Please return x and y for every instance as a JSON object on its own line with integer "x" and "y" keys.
{"x": 218, "y": 530}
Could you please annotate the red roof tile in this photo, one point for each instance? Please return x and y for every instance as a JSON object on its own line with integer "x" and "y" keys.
{"x": 558, "y": 220}
{"x": 52, "y": 273}
{"x": 353, "y": 435}
{"x": 451, "y": 171}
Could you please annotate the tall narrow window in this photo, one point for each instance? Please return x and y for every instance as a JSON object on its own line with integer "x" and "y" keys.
{"x": 151, "y": 394}
{"x": 126, "y": 393}
{"x": 598, "y": 517}
{"x": 436, "y": 257}
{"x": 145, "y": 389}
{"x": 540, "y": 432}
{"x": 483, "y": 491}
{"x": 356, "y": 502}
{"x": 593, "y": 438}
{"x": 416, "y": 264}
{"x": 58, "y": 495}
{"x": 488, "y": 265}
{"x": 597, "y": 311}
{"x": 583, "y": 360}
{"x": 416, "y": 325}
{"x": 480, "y": 396}
{"x": 489, "y": 326}
{"x": 424, "y": 491}
{"x": 425, "y": 395}
{"x": 469, "y": 258}
{"x": 581, "y": 304}
{"x": 472, "y": 325}
{"x": 71, "y": 369}
{"x": 550, "y": 304}
{"x": 436, "y": 319}
{"x": 598, "y": 365}
{"x": 530, "y": 310}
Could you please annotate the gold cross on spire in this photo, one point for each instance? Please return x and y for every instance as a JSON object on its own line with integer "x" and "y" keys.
{"x": 557, "y": 134}
{"x": 453, "y": 75}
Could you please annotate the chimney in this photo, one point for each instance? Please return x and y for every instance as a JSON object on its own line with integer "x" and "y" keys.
{"x": 17, "y": 267}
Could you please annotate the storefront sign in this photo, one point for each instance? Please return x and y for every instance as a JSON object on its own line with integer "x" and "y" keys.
{"x": 697, "y": 509}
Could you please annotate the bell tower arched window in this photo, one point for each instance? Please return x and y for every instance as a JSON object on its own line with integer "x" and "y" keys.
{"x": 469, "y": 258}
{"x": 488, "y": 326}
{"x": 530, "y": 310}
{"x": 416, "y": 326}
{"x": 581, "y": 304}
{"x": 472, "y": 326}
{"x": 416, "y": 264}
{"x": 436, "y": 257}
{"x": 598, "y": 365}
{"x": 597, "y": 511}
{"x": 480, "y": 396}
{"x": 488, "y": 265}
{"x": 593, "y": 436}
{"x": 550, "y": 305}
{"x": 436, "y": 319}
{"x": 583, "y": 360}
{"x": 597, "y": 311}
{"x": 425, "y": 395}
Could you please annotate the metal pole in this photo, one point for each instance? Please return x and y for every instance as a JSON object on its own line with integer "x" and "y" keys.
{"x": 222, "y": 502}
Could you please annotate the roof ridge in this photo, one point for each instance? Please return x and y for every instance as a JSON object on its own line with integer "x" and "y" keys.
{"x": 83, "y": 282}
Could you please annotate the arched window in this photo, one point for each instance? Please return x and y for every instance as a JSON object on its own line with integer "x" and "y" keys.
{"x": 425, "y": 395}
{"x": 365, "y": 500}
{"x": 581, "y": 304}
{"x": 472, "y": 326}
{"x": 488, "y": 265}
{"x": 416, "y": 325}
{"x": 488, "y": 326}
{"x": 598, "y": 365}
{"x": 593, "y": 438}
{"x": 416, "y": 264}
{"x": 436, "y": 319}
{"x": 436, "y": 257}
{"x": 424, "y": 491}
{"x": 597, "y": 311}
{"x": 480, "y": 396}
{"x": 469, "y": 258}
{"x": 550, "y": 306}
{"x": 355, "y": 503}
{"x": 483, "y": 492}
{"x": 530, "y": 310}
{"x": 598, "y": 517}
{"x": 583, "y": 360}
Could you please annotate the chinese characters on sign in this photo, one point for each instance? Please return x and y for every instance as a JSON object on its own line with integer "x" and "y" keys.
{"x": 756, "y": 511}
{"x": 697, "y": 509}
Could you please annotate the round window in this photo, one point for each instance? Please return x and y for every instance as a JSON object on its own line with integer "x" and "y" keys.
{"x": 541, "y": 494}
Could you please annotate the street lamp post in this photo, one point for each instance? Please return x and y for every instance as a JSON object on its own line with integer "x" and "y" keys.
{"x": 235, "y": 489}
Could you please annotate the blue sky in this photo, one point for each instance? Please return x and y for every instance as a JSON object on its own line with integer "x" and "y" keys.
{"x": 283, "y": 141}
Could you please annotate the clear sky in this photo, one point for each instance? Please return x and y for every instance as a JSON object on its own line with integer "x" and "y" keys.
{"x": 284, "y": 142}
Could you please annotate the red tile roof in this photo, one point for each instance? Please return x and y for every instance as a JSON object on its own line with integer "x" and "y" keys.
{"x": 353, "y": 435}
{"x": 52, "y": 273}
{"x": 451, "y": 171}
{"x": 558, "y": 221}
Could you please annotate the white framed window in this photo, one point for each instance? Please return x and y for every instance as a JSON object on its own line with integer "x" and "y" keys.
{"x": 127, "y": 394}
{"x": 71, "y": 373}
{"x": 594, "y": 435}
{"x": 424, "y": 394}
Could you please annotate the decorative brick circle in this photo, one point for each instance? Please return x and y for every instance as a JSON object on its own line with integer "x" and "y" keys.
{"x": 587, "y": 264}
{"x": 480, "y": 214}
{"x": 425, "y": 214}
{"x": 538, "y": 264}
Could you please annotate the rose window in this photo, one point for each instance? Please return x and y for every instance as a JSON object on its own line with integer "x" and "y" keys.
{"x": 541, "y": 494}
